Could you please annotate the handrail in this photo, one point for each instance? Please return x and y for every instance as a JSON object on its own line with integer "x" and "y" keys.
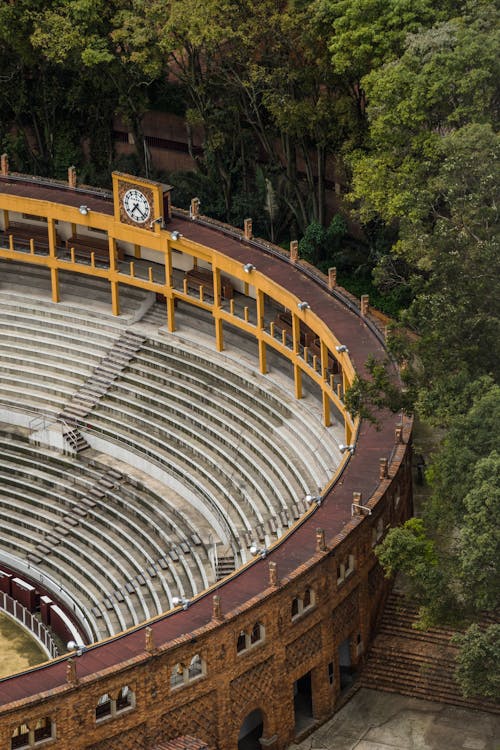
{"x": 11, "y": 606}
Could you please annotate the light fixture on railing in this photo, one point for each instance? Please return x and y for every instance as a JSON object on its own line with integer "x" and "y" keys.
{"x": 175, "y": 235}
{"x": 344, "y": 448}
{"x": 73, "y": 645}
{"x": 256, "y": 550}
{"x": 249, "y": 267}
{"x": 310, "y": 499}
{"x": 159, "y": 220}
{"x": 342, "y": 348}
{"x": 177, "y": 601}
{"x": 304, "y": 306}
{"x": 84, "y": 210}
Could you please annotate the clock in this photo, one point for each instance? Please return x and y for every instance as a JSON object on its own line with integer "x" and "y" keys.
{"x": 136, "y": 205}
{"x": 140, "y": 203}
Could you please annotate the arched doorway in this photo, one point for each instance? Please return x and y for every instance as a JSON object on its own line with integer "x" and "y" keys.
{"x": 251, "y": 731}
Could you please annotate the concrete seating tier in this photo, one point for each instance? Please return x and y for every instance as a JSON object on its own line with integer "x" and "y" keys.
{"x": 111, "y": 542}
{"x": 224, "y": 438}
{"x": 75, "y": 290}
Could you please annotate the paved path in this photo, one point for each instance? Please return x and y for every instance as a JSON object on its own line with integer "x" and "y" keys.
{"x": 374, "y": 720}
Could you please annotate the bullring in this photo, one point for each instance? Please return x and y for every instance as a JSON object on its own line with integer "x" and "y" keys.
{"x": 267, "y": 650}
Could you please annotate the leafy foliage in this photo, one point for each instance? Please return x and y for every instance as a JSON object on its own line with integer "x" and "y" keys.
{"x": 478, "y": 668}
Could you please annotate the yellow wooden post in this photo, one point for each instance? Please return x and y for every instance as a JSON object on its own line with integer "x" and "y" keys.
{"x": 54, "y": 275}
{"x": 132, "y": 268}
{"x": 326, "y": 409}
{"x": 324, "y": 359}
{"x": 150, "y": 274}
{"x": 171, "y": 313}
{"x": 260, "y": 325}
{"x": 216, "y": 284}
{"x": 297, "y": 377}
{"x": 112, "y": 253}
{"x": 296, "y": 332}
{"x": 245, "y": 313}
{"x": 260, "y": 309}
{"x": 168, "y": 265}
{"x": 219, "y": 334}
{"x": 115, "y": 298}
{"x": 231, "y": 306}
{"x": 137, "y": 251}
{"x": 262, "y": 356}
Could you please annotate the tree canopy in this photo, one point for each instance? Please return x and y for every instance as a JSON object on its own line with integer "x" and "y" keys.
{"x": 399, "y": 99}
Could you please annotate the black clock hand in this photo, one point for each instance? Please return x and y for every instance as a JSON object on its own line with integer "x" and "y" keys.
{"x": 136, "y": 207}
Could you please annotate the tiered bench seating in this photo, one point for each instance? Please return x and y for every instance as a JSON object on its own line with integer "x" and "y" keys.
{"x": 121, "y": 548}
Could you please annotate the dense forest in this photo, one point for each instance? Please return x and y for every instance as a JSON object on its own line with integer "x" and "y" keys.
{"x": 404, "y": 95}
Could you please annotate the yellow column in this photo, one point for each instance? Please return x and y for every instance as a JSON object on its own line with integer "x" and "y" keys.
{"x": 259, "y": 298}
{"x": 168, "y": 266}
{"x": 168, "y": 287}
{"x": 54, "y": 274}
{"x": 297, "y": 376}
{"x": 326, "y": 410}
{"x": 137, "y": 251}
{"x": 262, "y": 356}
{"x": 115, "y": 298}
{"x": 219, "y": 335}
{"x": 324, "y": 359}
{"x": 112, "y": 253}
{"x": 295, "y": 332}
{"x": 170, "y": 313}
{"x": 115, "y": 295}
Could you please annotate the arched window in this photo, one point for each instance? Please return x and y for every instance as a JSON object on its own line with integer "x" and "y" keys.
{"x": 257, "y": 633}
{"x": 307, "y": 600}
{"x": 295, "y": 606}
{"x": 125, "y": 699}
{"x": 103, "y": 708}
{"x": 241, "y": 643}
{"x": 20, "y": 737}
{"x": 43, "y": 729}
{"x": 195, "y": 667}
{"x": 177, "y": 675}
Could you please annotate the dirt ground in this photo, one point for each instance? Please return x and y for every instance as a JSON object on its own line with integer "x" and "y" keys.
{"x": 18, "y": 650}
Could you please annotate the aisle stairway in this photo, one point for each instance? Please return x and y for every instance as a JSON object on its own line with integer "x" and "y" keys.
{"x": 418, "y": 663}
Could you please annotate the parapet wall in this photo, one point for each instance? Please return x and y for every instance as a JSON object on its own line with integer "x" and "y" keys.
{"x": 302, "y": 615}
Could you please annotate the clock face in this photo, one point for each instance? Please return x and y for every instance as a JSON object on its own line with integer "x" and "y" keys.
{"x": 136, "y": 206}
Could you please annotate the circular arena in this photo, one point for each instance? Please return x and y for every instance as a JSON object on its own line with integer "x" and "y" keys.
{"x": 188, "y": 511}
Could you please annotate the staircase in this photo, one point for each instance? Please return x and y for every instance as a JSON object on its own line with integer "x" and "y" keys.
{"x": 225, "y": 565}
{"x": 75, "y": 439}
{"x": 102, "y": 377}
{"x": 414, "y": 662}
{"x": 156, "y": 316}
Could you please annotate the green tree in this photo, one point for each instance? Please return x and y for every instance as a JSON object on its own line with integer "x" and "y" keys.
{"x": 478, "y": 664}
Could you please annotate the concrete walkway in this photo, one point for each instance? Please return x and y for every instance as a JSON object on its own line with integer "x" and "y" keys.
{"x": 374, "y": 720}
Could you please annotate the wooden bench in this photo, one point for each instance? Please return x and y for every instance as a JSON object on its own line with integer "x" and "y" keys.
{"x": 85, "y": 244}
{"x": 197, "y": 277}
{"x": 283, "y": 322}
{"x": 24, "y": 232}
